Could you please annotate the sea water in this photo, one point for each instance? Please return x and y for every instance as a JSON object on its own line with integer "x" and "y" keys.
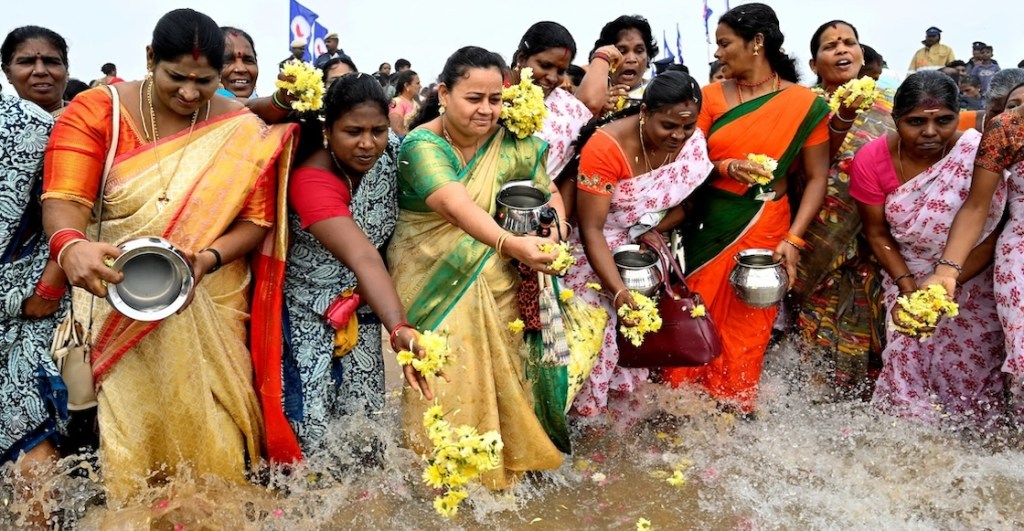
{"x": 803, "y": 461}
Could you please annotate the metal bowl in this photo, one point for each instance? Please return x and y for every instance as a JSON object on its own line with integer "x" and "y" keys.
{"x": 639, "y": 268}
{"x": 158, "y": 279}
{"x": 519, "y": 206}
{"x": 758, "y": 279}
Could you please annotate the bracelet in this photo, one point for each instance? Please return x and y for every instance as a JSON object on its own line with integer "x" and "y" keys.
{"x": 568, "y": 228}
{"x": 723, "y": 167}
{"x": 277, "y": 103}
{"x": 959, "y": 268}
{"x": 796, "y": 240}
{"x": 836, "y": 130}
{"x": 216, "y": 256}
{"x": 501, "y": 241}
{"x": 616, "y": 297}
{"x": 901, "y": 277}
{"x": 603, "y": 56}
{"x": 795, "y": 246}
{"x": 48, "y": 292}
{"x": 394, "y": 333}
{"x": 844, "y": 120}
{"x": 65, "y": 248}
{"x": 60, "y": 239}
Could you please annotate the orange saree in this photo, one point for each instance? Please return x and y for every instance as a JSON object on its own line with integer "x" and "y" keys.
{"x": 728, "y": 217}
{"x": 177, "y": 394}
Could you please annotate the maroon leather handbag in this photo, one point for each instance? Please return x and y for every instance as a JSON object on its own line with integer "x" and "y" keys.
{"x": 683, "y": 340}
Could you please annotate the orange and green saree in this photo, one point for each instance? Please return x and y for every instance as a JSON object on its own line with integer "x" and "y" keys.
{"x": 728, "y": 217}
{"x": 176, "y": 394}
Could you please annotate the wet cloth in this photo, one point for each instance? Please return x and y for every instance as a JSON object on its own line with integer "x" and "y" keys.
{"x": 605, "y": 170}
{"x": 451, "y": 283}
{"x": 838, "y": 290}
{"x": 954, "y": 376}
{"x": 328, "y": 388}
{"x": 33, "y": 398}
{"x": 727, "y": 218}
{"x": 197, "y": 360}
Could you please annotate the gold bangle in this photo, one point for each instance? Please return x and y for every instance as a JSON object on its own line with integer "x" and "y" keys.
{"x": 65, "y": 248}
{"x": 616, "y": 297}
{"x": 501, "y": 241}
{"x": 795, "y": 246}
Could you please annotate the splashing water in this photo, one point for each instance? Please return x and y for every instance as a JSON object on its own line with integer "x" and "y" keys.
{"x": 804, "y": 462}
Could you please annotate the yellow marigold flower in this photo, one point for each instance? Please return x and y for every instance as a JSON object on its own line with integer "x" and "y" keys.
{"x": 522, "y": 108}
{"x": 308, "y": 85}
{"x": 856, "y": 88}
{"x": 405, "y": 357}
{"x": 769, "y": 164}
{"x": 647, "y": 319}
{"x": 594, "y": 286}
{"x": 433, "y": 476}
{"x": 643, "y": 524}
{"x": 677, "y": 479}
{"x": 563, "y": 261}
{"x": 566, "y": 295}
{"x": 516, "y": 326}
{"x": 921, "y": 310}
{"x": 433, "y": 415}
{"x": 437, "y": 353}
{"x": 698, "y": 311}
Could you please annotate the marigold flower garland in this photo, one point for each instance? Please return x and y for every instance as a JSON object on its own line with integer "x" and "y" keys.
{"x": 516, "y": 326}
{"x": 522, "y": 106}
{"x": 921, "y": 311}
{"x": 848, "y": 93}
{"x": 459, "y": 455}
{"x": 563, "y": 261}
{"x": 437, "y": 354}
{"x": 769, "y": 164}
{"x": 307, "y": 87}
{"x": 647, "y": 319}
{"x": 699, "y": 311}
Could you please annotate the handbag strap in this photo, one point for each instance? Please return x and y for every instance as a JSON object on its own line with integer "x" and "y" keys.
{"x": 115, "y": 111}
{"x": 670, "y": 265}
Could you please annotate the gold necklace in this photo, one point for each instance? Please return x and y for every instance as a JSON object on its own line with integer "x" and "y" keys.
{"x": 448, "y": 138}
{"x": 163, "y": 199}
{"x": 351, "y": 188}
{"x": 899, "y": 158}
{"x": 644, "y": 149}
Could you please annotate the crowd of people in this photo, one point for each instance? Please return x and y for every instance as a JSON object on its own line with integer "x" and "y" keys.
{"x": 385, "y": 203}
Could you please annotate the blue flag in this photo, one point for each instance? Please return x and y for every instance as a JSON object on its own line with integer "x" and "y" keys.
{"x": 316, "y": 45}
{"x": 301, "y": 26}
{"x": 679, "y": 44}
{"x": 707, "y": 16}
{"x": 664, "y": 46}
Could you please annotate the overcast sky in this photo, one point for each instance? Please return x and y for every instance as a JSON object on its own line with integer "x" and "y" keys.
{"x": 426, "y": 32}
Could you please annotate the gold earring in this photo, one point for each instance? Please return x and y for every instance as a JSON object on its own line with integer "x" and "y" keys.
{"x": 326, "y": 145}
{"x": 440, "y": 110}
{"x": 643, "y": 120}
{"x": 756, "y": 48}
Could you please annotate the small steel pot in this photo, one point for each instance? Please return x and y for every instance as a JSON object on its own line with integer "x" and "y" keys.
{"x": 639, "y": 268}
{"x": 158, "y": 279}
{"x": 758, "y": 279}
{"x": 519, "y": 206}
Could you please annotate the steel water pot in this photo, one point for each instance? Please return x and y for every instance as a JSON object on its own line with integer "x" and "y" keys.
{"x": 758, "y": 279}
{"x": 638, "y": 266}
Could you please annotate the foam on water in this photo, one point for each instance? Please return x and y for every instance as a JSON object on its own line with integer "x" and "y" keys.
{"x": 804, "y": 462}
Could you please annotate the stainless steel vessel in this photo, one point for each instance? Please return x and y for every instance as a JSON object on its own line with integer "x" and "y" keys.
{"x": 758, "y": 279}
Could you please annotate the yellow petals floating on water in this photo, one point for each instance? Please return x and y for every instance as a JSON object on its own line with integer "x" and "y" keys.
{"x": 920, "y": 311}
{"x": 848, "y": 93}
{"x": 643, "y": 524}
{"x": 308, "y": 86}
{"x": 522, "y": 106}
{"x": 598, "y": 477}
{"x": 647, "y": 319}
{"x": 698, "y": 311}
{"x": 516, "y": 326}
{"x": 769, "y": 164}
{"x": 459, "y": 455}
{"x": 566, "y": 295}
{"x": 437, "y": 354}
{"x": 563, "y": 261}
{"x": 677, "y": 479}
